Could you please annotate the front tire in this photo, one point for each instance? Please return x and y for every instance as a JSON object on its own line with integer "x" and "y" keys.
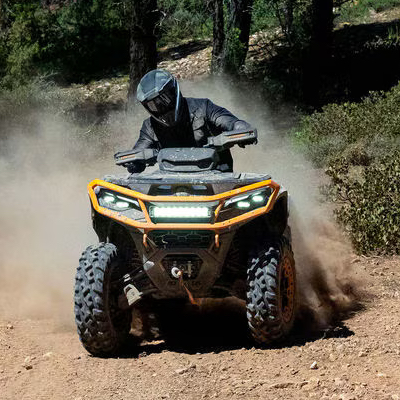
{"x": 271, "y": 292}
{"x": 103, "y": 328}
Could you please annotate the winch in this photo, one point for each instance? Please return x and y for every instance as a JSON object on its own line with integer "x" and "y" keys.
{"x": 185, "y": 265}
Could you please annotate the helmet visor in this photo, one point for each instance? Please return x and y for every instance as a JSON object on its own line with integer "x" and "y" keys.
{"x": 163, "y": 106}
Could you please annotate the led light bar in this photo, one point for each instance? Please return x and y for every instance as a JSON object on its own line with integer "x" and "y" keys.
{"x": 180, "y": 212}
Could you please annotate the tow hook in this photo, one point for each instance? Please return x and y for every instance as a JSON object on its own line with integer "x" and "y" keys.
{"x": 132, "y": 293}
{"x": 186, "y": 270}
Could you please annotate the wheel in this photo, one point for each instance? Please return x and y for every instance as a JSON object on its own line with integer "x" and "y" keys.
{"x": 271, "y": 292}
{"x": 102, "y": 327}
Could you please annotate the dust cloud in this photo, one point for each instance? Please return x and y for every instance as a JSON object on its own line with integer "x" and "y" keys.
{"x": 47, "y": 161}
{"x": 327, "y": 287}
{"x": 45, "y": 165}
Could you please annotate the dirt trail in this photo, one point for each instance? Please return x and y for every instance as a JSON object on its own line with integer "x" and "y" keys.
{"x": 42, "y": 359}
{"x": 46, "y": 226}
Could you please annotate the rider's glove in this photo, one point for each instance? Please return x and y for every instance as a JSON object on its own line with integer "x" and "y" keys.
{"x": 135, "y": 167}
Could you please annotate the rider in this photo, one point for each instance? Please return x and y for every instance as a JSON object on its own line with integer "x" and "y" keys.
{"x": 177, "y": 121}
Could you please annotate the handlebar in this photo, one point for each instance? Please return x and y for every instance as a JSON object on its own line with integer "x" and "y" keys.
{"x": 146, "y": 156}
{"x": 225, "y": 140}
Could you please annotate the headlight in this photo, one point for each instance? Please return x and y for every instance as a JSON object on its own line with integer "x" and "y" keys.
{"x": 182, "y": 212}
{"x": 245, "y": 202}
{"x": 249, "y": 200}
{"x": 116, "y": 202}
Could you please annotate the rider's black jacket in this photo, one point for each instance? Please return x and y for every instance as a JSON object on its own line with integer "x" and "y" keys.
{"x": 202, "y": 118}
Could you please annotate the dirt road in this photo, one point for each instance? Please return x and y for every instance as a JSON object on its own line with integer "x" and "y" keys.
{"x": 43, "y": 359}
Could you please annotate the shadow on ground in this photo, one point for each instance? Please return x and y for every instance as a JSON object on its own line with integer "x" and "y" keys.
{"x": 364, "y": 58}
{"x": 183, "y": 50}
{"x": 217, "y": 326}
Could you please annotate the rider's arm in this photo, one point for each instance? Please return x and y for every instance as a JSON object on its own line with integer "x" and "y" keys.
{"x": 145, "y": 141}
{"x": 222, "y": 119}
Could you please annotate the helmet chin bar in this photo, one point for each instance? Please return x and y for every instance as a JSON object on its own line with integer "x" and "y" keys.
{"x": 169, "y": 122}
{"x": 175, "y": 114}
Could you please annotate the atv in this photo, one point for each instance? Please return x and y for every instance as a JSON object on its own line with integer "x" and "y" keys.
{"x": 186, "y": 230}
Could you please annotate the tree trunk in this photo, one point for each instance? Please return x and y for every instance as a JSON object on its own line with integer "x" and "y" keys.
{"x": 237, "y": 38}
{"x": 284, "y": 11}
{"x": 322, "y": 26}
{"x": 320, "y": 50}
{"x": 143, "y": 48}
{"x": 218, "y": 34}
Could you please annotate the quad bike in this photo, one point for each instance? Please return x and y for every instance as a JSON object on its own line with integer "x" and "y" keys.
{"x": 185, "y": 230}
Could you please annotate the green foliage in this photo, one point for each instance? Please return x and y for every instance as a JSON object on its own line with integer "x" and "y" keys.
{"x": 235, "y": 51}
{"x": 342, "y": 129}
{"x": 263, "y": 16}
{"x": 74, "y": 39}
{"x": 370, "y": 204}
{"x": 359, "y": 144}
{"x": 356, "y": 11}
{"x": 183, "y": 19}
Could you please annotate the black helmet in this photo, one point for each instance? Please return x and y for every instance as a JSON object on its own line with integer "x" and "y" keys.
{"x": 159, "y": 93}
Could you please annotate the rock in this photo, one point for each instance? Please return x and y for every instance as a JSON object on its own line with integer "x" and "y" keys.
{"x": 362, "y": 354}
{"x": 10, "y": 326}
{"x": 314, "y": 365}
{"x": 311, "y": 384}
{"x": 339, "y": 348}
{"x": 282, "y": 385}
{"x": 332, "y": 357}
{"x": 27, "y": 364}
{"x": 395, "y": 397}
{"x": 381, "y": 375}
{"x": 346, "y": 396}
{"x": 302, "y": 384}
{"x": 181, "y": 371}
{"x": 339, "y": 382}
{"x": 49, "y": 354}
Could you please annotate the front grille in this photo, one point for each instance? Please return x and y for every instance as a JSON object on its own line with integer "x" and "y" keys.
{"x": 174, "y": 239}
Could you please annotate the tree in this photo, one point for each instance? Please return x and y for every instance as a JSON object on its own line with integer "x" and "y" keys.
{"x": 217, "y": 10}
{"x": 230, "y": 48}
{"x": 143, "y": 47}
{"x": 284, "y": 10}
{"x": 320, "y": 49}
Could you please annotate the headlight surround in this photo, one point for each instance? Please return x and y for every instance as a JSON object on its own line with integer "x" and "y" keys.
{"x": 116, "y": 202}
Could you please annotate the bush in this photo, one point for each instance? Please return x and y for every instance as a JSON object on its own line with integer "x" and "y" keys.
{"x": 352, "y": 127}
{"x": 183, "y": 19}
{"x": 369, "y": 204}
{"x": 263, "y": 16}
{"x": 76, "y": 40}
{"x": 359, "y": 144}
{"x": 353, "y": 11}
{"x": 38, "y": 94}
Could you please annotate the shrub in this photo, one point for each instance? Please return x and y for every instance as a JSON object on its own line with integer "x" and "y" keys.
{"x": 38, "y": 94}
{"x": 346, "y": 128}
{"x": 75, "y": 40}
{"x": 369, "y": 203}
{"x": 183, "y": 19}
{"x": 353, "y": 11}
{"x": 359, "y": 144}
